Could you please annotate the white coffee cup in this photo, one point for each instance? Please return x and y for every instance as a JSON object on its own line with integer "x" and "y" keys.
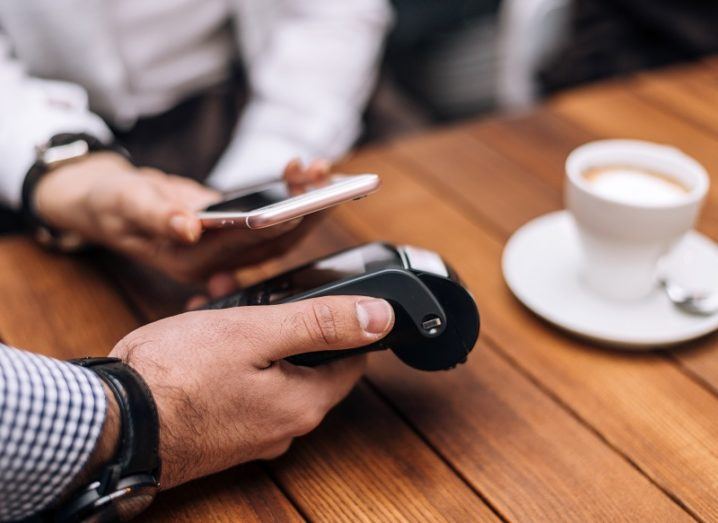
{"x": 622, "y": 240}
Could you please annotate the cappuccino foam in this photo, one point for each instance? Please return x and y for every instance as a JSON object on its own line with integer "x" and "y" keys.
{"x": 634, "y": 185}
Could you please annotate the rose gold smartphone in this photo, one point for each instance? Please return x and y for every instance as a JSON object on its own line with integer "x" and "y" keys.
{"x": 273, "y": 203}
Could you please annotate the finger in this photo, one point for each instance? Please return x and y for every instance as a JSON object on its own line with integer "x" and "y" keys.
{"x": 187, "y": 227}
{"x": 277, "y": 246}
{"x": 328, "y": 323}
{"x": 264, "y": 250}
{"x": 149, "y": 211}
{"x": 240, "y": 239}
{"x": 186, "y": 195}
{"x": 318, "y": 170}
{"x": 194, "y": 195}
{"x": 327, "y": 385}
{"x": 274, "y": 231}
{"x": 293, "y": 172}
{"x": 230, "y": 249}
{"x": 335, "y": 380}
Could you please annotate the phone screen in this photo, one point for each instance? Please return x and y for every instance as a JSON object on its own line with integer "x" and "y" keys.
{"x": 267, "y": 195}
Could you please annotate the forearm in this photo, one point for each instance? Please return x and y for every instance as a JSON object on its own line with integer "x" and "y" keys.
{"x": 31, "y": 112}
{"x": 320, "y": 115}
{"x": 52, "y": 415}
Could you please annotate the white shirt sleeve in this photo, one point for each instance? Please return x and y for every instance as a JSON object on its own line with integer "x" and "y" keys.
{"x": 31, "y": 112}
{"x": 308, "y": 87}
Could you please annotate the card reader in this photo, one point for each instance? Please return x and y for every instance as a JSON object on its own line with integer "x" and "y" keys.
{"x": 437, "y": 320}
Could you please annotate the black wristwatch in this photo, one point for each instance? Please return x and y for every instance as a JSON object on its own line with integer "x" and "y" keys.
{"x": 59, "y": 150}
{"x": 126, "y": 486}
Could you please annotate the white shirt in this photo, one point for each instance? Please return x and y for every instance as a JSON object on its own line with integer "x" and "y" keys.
{"x": 71, "y": 65}
{"x": 170, "y": 49}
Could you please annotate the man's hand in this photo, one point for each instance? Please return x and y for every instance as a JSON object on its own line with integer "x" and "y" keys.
{"x": 224, "y": 392}
{"x": 150, "y": 216}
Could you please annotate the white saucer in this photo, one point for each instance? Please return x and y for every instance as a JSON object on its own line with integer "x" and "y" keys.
{"x": 540, "y": 265}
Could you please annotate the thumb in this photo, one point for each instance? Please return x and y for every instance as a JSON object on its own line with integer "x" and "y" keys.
{"x": 153, "y": 213}
{"x": 328, "y": 323}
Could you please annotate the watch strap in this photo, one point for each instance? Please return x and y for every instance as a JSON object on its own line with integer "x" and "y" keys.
{"x": 139, "y": 442}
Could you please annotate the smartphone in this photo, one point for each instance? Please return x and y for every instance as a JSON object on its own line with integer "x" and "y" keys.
{"x": 273, "y": 203}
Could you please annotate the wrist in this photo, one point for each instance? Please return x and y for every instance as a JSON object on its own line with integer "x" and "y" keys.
{"x": 60, "y": 150}
{"x": 106, "y": 448}
{"x": 61, "y": 198}
{"x": 122, "y": 477}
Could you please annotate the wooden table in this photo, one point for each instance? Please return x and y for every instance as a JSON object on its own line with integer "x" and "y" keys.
{"x": 538, "y": 426}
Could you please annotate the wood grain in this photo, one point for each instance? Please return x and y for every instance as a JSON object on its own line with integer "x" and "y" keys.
{"x": 687, "y": 91}
{"x": 240, "y": 494}
{"x": 64, "y": 307}
{"x": 56, "y": 304}
{"x": 595, "y": 383}
{"x": 408, "y": 211}
{"x": 362, "y": 464}
{"x": 530, "y": 458}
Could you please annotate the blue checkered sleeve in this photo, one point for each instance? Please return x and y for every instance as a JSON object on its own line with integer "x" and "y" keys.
{"x": 51, "y": 414}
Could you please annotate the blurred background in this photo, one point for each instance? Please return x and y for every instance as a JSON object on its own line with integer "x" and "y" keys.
{"x": 450, "y": 60}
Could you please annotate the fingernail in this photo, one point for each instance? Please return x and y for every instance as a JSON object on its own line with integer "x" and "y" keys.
{"x": 193, "y": 234}
{"x": 374, "y": 316}
{"x": 180, "y": 224}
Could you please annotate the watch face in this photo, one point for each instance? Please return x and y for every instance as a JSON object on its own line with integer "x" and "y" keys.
{"x": 123, "y": 508}
{"x": 133, "y": 496}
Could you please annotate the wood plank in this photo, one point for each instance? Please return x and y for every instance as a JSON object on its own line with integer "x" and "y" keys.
{"x": 537, "y": 145}
{"x": 243, "y": 493}
{"x": 55, "y": 304}
{"x": 530, "y": 458}
{"x": 688, "y": 91}
{"x": 364, "y": 463}
{"x": 410, "y": 209}
{"x": 63, "y": 307}
{"x": 473, "y": 175}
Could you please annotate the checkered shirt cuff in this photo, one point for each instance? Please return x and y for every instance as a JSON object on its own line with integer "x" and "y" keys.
{"x": 51, "y": 415}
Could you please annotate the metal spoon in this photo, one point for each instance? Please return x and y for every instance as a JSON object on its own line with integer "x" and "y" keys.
{"x": 692, "y": 302}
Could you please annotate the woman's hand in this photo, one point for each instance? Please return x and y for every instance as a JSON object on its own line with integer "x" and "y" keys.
{"x": 151, "y": 216}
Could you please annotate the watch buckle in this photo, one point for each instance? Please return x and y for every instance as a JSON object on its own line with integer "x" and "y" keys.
{"x": 56, "y": 154}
